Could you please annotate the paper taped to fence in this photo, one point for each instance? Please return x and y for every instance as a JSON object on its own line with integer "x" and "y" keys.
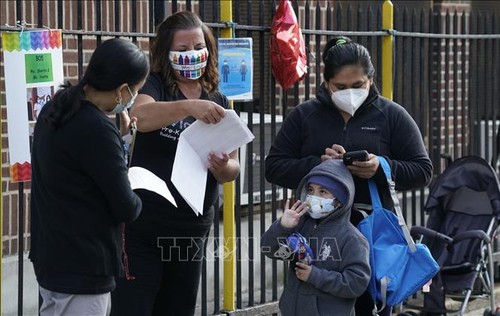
{"x": 33, "y": 66}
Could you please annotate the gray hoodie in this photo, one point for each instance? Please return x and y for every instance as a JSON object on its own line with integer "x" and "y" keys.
{"x": 340, "y": 267}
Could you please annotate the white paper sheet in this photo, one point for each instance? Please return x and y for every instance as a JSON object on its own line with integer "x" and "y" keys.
{"x": 141, "y": 178}
{"x": 190, "y": 168}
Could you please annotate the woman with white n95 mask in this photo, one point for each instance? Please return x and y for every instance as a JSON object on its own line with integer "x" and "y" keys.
{"x": 348, "y": 114}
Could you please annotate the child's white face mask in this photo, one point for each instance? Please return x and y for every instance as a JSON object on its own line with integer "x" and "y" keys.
{"x": 349, "y": 100}
{"x": 320, "y": 207}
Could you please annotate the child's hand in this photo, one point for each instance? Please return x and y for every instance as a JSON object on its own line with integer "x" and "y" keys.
{"x": 302, "y": 271}
{"x": 291, "y": 216}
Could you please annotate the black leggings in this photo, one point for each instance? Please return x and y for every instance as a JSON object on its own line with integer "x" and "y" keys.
{"x": 364, "y": 306}
{"x": 166, "y": 272}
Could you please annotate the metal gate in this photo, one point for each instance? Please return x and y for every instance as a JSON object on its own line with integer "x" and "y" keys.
{"x": 444, "y": 75}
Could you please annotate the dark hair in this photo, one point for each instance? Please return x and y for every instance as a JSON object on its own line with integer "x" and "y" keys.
{"x": 113, "y": 63}
{"x": 342, "y": 51}
{"x": 162, "y": 44}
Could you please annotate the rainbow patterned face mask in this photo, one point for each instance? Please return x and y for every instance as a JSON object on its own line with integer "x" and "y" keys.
{"x": 189, "y": 64}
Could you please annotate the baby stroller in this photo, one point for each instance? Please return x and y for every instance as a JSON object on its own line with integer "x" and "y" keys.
{"x": 464, "y": 210}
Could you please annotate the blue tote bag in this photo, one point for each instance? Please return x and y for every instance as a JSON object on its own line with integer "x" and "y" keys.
{"x": 399, "y": 266}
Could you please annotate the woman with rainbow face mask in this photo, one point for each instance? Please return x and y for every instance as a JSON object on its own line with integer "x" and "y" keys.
{"x": 164, "y": 247}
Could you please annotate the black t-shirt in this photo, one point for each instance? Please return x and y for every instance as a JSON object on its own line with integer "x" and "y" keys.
{"x": 155, "y": 151}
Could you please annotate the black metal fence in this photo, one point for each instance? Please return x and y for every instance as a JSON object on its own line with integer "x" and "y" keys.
{"x": 445, "y": 70}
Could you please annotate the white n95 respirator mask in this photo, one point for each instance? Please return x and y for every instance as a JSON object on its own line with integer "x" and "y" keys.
{"x": 349, "y": 100}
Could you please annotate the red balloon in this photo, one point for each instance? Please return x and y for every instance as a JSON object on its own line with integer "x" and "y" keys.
{"x": 288, "y": 51}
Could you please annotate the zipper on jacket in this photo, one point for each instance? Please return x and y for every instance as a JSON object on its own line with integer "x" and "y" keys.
{"x": 316, "y": 223}
{"x": 344, "y": 133}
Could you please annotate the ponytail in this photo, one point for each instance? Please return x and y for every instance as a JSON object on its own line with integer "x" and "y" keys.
{"x": 113, "y": 63}
{"x": 65, "y": 104}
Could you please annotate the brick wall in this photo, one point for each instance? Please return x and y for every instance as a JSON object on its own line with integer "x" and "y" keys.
{"x": 448, "y": 103}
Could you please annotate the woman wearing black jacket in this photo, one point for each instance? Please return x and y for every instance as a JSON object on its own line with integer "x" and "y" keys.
{"x": 348, "y": 114}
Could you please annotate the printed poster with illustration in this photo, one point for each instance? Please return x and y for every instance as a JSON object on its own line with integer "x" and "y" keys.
{"x": 33, "y": 67}
{"x": 236, "y": 68}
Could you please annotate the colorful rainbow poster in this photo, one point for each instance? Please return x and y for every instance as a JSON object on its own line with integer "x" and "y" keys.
{"x": 33, "y": 67}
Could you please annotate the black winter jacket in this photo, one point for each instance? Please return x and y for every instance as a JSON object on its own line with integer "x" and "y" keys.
{"x": 380, "y": 126}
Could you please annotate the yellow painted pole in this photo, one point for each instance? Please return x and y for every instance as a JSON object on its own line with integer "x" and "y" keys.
{"x": 387, "y": 49}
{"x": 226, "y": 13}
{"x": 1, "y": 213}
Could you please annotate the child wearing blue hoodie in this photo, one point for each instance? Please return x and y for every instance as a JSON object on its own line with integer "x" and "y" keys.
{"x": 329, "y": 257}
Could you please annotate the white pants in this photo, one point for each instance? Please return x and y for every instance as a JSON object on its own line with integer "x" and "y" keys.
{"x": 62, "y": 304}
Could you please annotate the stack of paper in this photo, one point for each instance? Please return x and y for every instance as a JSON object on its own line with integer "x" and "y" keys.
{"x": 190, "y": 170}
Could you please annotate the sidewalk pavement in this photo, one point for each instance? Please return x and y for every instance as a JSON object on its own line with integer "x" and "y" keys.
{"x": 474, "y": 308}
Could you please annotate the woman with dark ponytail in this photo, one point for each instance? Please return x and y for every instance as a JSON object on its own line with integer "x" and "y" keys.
{"x": 81, "y": 195}
{"x": 349, "y": 114}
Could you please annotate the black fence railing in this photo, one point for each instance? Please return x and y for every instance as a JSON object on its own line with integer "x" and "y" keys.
{"x": 445, "y": 70}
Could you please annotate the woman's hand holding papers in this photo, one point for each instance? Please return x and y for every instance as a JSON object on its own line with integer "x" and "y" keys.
{"x": 224, "y": 167}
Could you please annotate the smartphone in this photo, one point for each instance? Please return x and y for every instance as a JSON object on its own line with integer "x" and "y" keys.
{"x": 358, "y": 155}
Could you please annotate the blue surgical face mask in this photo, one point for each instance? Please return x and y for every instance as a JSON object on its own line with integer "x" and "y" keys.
{"x": 320, "y": 207}
{"x": 122, "y": 107}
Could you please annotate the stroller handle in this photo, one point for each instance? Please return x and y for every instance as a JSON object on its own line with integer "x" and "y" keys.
{"x": 472, "y": 234}
{"x": 417, "y": 231}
